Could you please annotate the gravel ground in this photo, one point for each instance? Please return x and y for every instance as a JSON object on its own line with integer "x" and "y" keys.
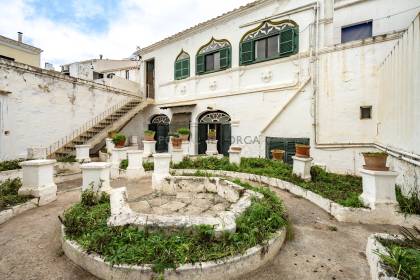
{"x": 321, "y": 247}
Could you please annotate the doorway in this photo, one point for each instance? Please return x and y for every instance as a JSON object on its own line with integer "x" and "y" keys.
{"x": 160, "y": 125}
{"x": 219, "y": 121}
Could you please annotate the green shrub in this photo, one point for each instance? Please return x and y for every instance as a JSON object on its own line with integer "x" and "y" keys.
{"x": 9, "y": 193}
{"x": 148, "y": 165}
{"x": 149, "y": 132}
{"x": 183, "y": 131}
{"x": 408, "y": 204}
{"x": 343, "y": 189}
{"x": 124, "y": 164}
{"x": 10, "y": 164}
{"x": 86, "y": 223}
{"x": 68, "y": 158}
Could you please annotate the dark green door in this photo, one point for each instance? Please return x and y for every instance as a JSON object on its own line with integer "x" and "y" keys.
{"x": 225, "y": 139}
{"x": 286, "y": 144}
{"x": 161, "y": 136}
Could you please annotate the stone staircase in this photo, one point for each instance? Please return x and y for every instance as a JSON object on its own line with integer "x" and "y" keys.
{"x": 96, "y": 130}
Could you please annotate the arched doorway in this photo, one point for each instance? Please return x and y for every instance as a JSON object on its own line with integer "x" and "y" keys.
{"x": 160, "y": 124}
{"x": 220, "y": 121}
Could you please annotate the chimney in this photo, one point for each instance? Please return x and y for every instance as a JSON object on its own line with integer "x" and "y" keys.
{"x": 100, "y": 56}
{"x": 20, "y": 34}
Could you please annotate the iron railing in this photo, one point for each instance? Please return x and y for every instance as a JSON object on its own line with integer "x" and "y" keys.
{"x": 86, "y": 126}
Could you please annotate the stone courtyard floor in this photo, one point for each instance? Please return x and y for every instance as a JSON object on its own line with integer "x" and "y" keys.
{"x": 321, "y": 247}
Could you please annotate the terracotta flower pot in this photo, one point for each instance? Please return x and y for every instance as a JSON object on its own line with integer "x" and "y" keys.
{"x": 148, "y": 137}
{"x": 236, "y": 148}
{"x": 120, "y": 144}
{"x": 277, "y": 154}
{"x": 302, "y": 150}
{"x": 176, "y": 142}
{"x": 375, "y": 161}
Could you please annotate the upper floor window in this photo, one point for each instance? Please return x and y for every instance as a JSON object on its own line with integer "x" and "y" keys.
{"x": 214, "y": 56}
{"x": 182, "y": 66}
{"x": 358, "y": 31}
{"x": 268, "y": 41}
{"x": 127, "y": 74}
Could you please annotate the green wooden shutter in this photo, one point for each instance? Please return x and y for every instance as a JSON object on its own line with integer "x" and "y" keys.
{"x": 185, "y": 68}
{"x": 286, "y": 41}
{"x": 200, "y": 64}
{"x": 224, "y": 58}
{"x": 246, "y": 52}
{"x": 178, "y": 70}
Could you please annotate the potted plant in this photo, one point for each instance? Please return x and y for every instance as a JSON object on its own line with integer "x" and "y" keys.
{"x": 302, "y": 150}
{"x": 211, "y": 134}
{"x": 375, "y": 161}
{"x": 119, "y": 140}
{"x": 277, "y": 154}
{"x": 176, "y": 140}
{"x": 149, "y": 135}
{"x": 184, "y": 133}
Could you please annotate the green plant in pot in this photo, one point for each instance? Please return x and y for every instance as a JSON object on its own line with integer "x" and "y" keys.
{"x": 119, "y": 140}
{"x": 184, "y": 133}
{"x": 149, "y": 135}
{"x": 375, "y": 161}
{"x": 176, "y": 140}
{"x": 211, "y": 135}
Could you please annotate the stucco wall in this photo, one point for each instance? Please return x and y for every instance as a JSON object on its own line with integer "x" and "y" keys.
{"x": 44, "y": 106}
{"x": 20, "y": 55}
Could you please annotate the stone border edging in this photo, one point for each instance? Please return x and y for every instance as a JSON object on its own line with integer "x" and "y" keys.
{"x": 7, "y": 214}
{"x": 377, "y": 271}
{"x": 11, "y": 174}
{"x": 235, "y": 266}
{"x": 380, "y": 215}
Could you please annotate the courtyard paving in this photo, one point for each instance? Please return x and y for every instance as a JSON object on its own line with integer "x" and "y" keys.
{"x": 321, "y": 247}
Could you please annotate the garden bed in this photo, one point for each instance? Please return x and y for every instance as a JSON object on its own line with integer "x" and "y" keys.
{"x": 12, "y": 204}
{"x": 198, "y": 253}
{"x": 394, "y": 256}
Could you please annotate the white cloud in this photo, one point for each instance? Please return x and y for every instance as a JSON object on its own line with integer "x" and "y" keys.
{"x": 140, "y": 23}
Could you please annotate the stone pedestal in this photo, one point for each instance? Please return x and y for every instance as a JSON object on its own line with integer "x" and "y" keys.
{"x": 161, "y": 168}
{"x": 37, "y": 153}
{"x": 149, "y": 148}
{"x": 109, "y": 145}
{"x": 185, "y": 147}
{"x": 134, "y": 140}
{"x": 135, "y": 164}
{"x": 38, "y": 180}
{"x": 211, "y": 147}
{"x": 96, "y": 175}
{"x": 302, "y": 167}
{"x": 117, "y": 155}
{"x": 235, "y": 155}
{"x": 82, "y": 153}
{"x": 177, "y": 155}
{"x": 378, "y": 187}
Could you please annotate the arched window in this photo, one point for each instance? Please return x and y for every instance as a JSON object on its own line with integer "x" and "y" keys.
{"x": 160, "y": 119}
{"x": 268, "y": 41}
{"x": 213, "y": 56}
{"x": 182, "y": 66}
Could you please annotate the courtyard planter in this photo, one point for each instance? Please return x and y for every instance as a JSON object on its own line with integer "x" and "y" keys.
{"x": 211, "y": 134}
{"x": 302, "y": 150}
{"x": 119, "y": 140}
{"x": 277, "y": 154}
{"x": 149, "y": 135}
{"x": 375, "y": 161}
{"x": 184, "y": 133}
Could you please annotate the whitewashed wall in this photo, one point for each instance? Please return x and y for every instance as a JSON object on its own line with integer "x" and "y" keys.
{"x": 44, "y": 106}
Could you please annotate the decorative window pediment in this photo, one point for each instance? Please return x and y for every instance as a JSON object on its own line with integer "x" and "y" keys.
{"x": 270, "y": 40}
{"x": 182, "y": 66}
{"x": 213, "y": 56}
{"x": 160, "y": 119}
{"x": 215, "y": 117}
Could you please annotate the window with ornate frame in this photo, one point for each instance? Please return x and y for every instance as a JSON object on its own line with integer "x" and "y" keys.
{"x": 182, "y": 66}
{"x": 213, "y": 56}
{"x": 268, "y": 41}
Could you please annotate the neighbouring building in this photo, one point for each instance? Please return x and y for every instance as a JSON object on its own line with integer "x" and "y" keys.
{"x": 17, "y": 50}
{"x": 272, "y": 74}
{"x": 116, "y": 73}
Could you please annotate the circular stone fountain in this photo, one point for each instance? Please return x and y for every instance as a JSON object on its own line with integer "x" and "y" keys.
{"x": 180, "y": 202}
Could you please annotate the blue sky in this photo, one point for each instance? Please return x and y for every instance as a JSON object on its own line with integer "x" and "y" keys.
{"x": 75, "y": 30}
